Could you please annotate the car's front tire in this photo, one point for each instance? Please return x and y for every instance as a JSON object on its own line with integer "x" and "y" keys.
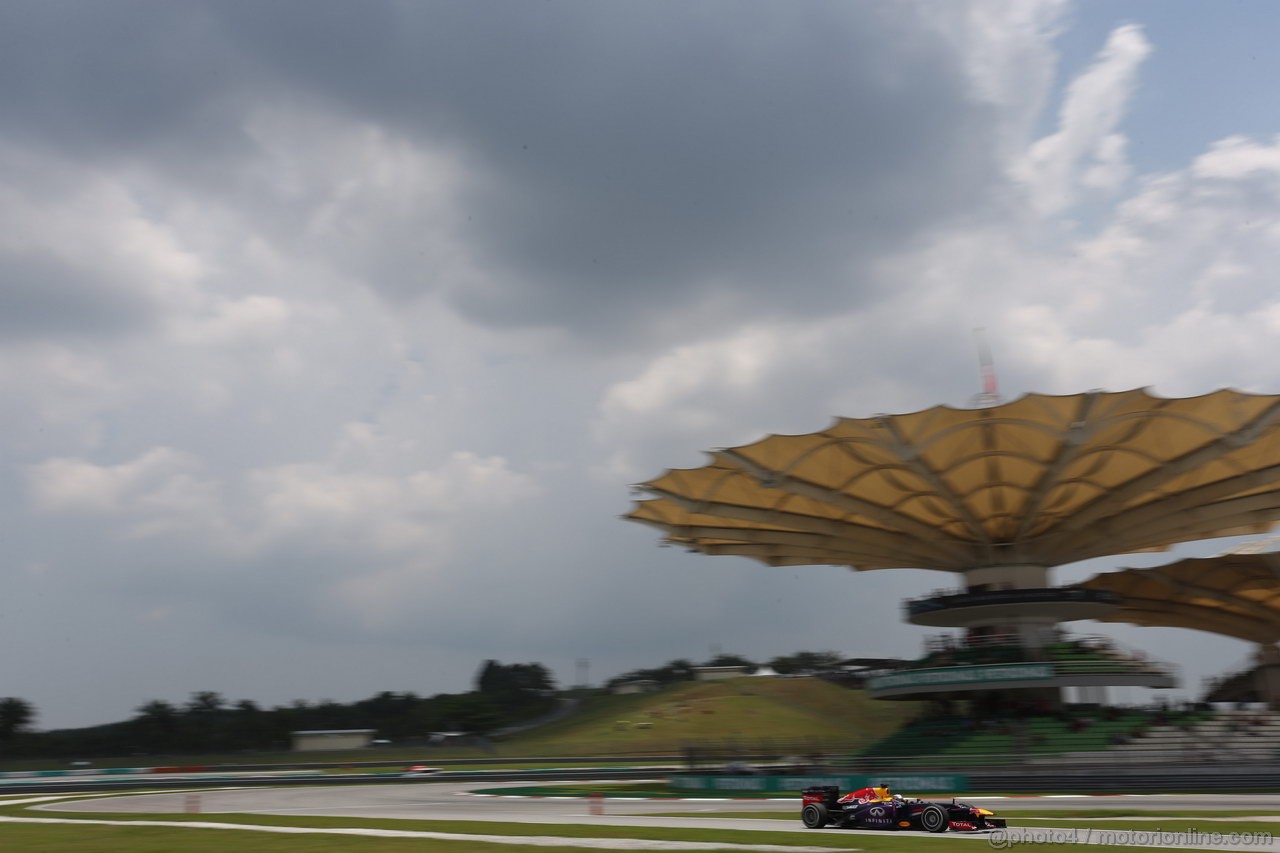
{"x": 934, "y": 818}
{"x": 815, "y": 816}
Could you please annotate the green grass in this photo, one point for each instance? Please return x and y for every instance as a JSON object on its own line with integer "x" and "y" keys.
{"x": 126, "y": 839}
{"x": 749, "y": 710}
{"x": 118, "y": 839}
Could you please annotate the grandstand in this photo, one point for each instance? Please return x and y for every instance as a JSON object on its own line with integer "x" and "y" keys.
{"x": 1228, "y": 736}
{"x": 1082, "y": 737}
{"x": 999, "y": 496}
{"x": 967, "y": 667}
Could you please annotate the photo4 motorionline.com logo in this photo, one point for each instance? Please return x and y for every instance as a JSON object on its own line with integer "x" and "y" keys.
{"x": 1003, "y": 839}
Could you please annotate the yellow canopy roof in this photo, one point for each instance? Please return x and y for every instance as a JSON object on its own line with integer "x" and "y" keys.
{"x": 1042, "y": 480}
{"x": 1235, "y": 594}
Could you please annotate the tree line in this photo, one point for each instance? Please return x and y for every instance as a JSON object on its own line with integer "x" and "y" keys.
{"x": 799, "y": 663}
{"x": 207, "y": 722}
{"x": 503, "y": 695}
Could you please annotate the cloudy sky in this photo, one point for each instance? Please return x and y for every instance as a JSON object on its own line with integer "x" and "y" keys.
{"x": 333, "y": 333}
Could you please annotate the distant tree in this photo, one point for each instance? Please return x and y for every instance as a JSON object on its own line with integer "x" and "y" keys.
{"x": 16, "y": 715}
{"x": 475, "y": 713}
{"x": 382, "y": 704}
{"x": 510, "y": 693}
{"x": 677, "y": 670}
{"x": 496, "y": 679}
{"x": 491, "y": 677}
{"x": 248, "y": 726}
{"x": 670, "y": 673}
{"x": 157, "y": 711}
{"x": 158, "y": 725}
{"x": 729, "y": 660}
{"x": 533, "y": 676}
{"x": 328, "y": 714}
{"x": 394, "y": 715}
{"x": 806, "y": 662}
{"x": 205, "y": 702}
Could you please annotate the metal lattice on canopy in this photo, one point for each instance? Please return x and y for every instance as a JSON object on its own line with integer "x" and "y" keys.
{"x": 1235, "y": 594}
{"x": 1042, "y": 480}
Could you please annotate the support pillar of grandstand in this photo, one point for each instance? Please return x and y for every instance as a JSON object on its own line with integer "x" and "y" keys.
{"x": 1266, "y": 675}
{"x": 1007, "y": 577}
{"x": 1034, "y": 631}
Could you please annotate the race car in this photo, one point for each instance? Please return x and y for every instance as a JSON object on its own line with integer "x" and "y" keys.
{"x": 880, "y": 808}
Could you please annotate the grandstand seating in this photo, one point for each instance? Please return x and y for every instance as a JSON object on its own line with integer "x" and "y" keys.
{"x": 1081, "y": 736}
{"x": 1068, "y": 657}
{"x": 927, "y": 736}
{"x": 1225, "y": 737}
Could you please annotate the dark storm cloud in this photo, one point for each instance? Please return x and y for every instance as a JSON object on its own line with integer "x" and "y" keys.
{"x": 629, "y": 159}
{"x": 99, "y": 81}
{"x": 639, "y": 154}
{"x": 43, "y": 298}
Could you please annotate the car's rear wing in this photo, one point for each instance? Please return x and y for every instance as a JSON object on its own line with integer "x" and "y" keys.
{"x": 827, "y": 795}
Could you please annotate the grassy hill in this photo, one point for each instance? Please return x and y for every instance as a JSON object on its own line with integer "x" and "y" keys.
{"x": 804, "y": 712}
{"x": 742, "y": 709}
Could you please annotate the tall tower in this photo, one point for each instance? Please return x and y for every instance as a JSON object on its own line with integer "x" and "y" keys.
{"x": 990, "y": 395}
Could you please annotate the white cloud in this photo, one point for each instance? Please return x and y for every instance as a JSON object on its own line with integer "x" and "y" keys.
{"x": 328, "y": 502}
{"x": 388, "y": 512}
{"x": 162, "y": 492}
{"x": 233, "y": 320}
{"x": 93, "y": 221}
{"x": 1238, "y": 157}
{"x": 695, "y": 371}
{"x": 76, "y": 485}
{"x": 1007, "y": 53}
{"x": 693, "y": 391}
{"x": 1086, "y": 138}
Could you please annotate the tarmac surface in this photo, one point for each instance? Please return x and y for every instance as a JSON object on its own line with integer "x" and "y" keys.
{"x": 455, "y": 801}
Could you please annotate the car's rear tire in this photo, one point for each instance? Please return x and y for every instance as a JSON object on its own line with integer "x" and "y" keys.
{"x": 815, "y": 816}
{"x": 934, "y": 818}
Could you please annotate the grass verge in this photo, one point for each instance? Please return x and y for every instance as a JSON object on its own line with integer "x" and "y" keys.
{"x": 124, "y": 839}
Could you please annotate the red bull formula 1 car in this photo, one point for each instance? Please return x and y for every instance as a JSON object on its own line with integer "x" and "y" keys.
{"x": 879, "y": 808}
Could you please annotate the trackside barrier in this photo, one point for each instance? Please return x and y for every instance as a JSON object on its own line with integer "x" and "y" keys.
{"x": 1170, "y": 780}
{"x": 79, "y": 771}
{"x": 105, "y": 771}
{"x": 905, "y": 783}
{"x": 1006, "y": 781}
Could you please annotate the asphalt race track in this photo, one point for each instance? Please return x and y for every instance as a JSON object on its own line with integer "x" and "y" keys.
{"x": 453, "y": 801}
